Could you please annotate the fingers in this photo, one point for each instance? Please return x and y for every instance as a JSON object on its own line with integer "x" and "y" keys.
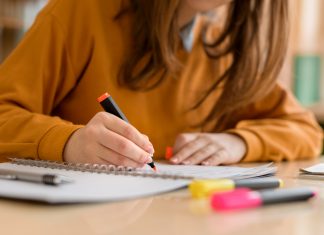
{"x": 146, "y": 137}
{"x": 124, "y": 147}
{"x": 184, "y": 155}
{"x": 210, "y": 155}
{"x": 201, "y": 149}
{"x": 201, "y": 155}
{"x": 218, "y": 158}
{"x": 108, "y": 156}
{"x": 107, "y": 139}
{"x": 126, "y": 130}
{"x": 182, "y": 140}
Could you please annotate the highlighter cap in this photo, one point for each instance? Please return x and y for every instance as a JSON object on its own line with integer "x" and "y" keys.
{"x": 237, "y": 199}
{"x": 103, "y": 97}
{"x": 205, "y": 188}
{"x": 168, "y": 153}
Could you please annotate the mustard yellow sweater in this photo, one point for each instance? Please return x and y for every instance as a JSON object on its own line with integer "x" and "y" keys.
{"x": 73, "y": 53}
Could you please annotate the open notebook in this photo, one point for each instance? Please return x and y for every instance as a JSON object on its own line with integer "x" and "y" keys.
{"x": 95, "y": 183}
{"x": 313, "y": 172}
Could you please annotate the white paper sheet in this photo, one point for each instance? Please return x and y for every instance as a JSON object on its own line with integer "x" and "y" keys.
{"x": 95, "y": 187}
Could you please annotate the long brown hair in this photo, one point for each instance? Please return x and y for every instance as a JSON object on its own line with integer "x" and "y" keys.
{"x": 255, "y": 36}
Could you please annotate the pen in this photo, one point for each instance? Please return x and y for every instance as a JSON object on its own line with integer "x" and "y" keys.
{"x": 110, "y": 106}
{"x": 245, "y": 198}
{"x": 204, "y": 188}
{"x": 49, "y": 179}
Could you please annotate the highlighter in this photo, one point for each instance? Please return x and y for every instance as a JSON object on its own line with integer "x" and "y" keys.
{"x": 168, "y": 153}
{"x": 110, "y": 106}
{"x": 204, "y": 188}
{"x": 245, "y": 198}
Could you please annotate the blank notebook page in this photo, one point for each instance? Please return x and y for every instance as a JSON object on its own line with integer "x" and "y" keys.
{"x": 316, "y": 169}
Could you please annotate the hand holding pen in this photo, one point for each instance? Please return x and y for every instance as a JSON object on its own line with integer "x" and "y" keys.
{"x": 109, "y": 105}
{"x": 107, "y": 139}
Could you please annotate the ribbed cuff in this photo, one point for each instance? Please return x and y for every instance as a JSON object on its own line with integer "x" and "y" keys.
{"x": 254, "y": 145}
{"x": 52, "y": 144}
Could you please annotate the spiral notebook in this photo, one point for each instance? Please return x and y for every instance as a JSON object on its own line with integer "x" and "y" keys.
{"x": 98, "y": 183}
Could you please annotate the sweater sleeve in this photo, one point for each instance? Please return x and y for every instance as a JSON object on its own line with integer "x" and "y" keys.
{"x": 33, "y": 81}
{"x": 277, "y": 128}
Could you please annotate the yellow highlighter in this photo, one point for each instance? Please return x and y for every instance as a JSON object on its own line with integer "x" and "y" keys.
{"x": 204, "y": 188}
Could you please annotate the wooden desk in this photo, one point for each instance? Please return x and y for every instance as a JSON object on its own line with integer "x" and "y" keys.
{"x": 173, "y": 213}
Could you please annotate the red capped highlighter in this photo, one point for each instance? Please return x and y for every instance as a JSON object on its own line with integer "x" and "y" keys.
{"x": 245, "y": 198}
{"x": 168, "y": 153}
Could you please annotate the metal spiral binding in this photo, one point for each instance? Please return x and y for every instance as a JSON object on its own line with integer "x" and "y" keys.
{"x": 86, "y": 167}
{"x": 96, "y": 168}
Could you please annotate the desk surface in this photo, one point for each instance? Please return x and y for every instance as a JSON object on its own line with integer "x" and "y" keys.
{"x": 173, "y": 213}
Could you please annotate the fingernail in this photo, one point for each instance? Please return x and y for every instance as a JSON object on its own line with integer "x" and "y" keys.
{"x": 174, "y": 160}
{"x": 205, "y": 163}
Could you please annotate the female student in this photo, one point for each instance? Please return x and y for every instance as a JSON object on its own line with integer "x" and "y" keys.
{"x": 203, "y": 83}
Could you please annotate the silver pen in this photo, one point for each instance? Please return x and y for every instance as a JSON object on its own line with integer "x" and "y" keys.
{"x": 49, "y": 179}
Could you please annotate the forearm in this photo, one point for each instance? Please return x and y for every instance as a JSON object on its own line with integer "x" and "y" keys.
{"x": 280, "y": 139}
{"x": 26, "y": 134}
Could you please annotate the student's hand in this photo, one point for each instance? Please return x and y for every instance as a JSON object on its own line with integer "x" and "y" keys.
{"x": 208, "y": 149}
{"x": 107, "y": 139}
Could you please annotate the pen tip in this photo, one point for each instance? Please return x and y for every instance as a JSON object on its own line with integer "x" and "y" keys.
{"x": 152, "y": 165}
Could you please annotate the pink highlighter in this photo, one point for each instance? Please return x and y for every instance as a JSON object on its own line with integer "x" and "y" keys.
{"x": 245, "y": 198}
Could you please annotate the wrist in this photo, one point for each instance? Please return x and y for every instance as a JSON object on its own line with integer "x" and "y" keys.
{"x": 70, "y": 147}
{"x": 236, "y": 143}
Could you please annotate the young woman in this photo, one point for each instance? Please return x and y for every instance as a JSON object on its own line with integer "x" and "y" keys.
{"x": 181, "y": 76}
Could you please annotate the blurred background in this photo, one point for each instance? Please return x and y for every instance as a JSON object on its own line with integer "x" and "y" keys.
{"x": 303, "y": 71}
